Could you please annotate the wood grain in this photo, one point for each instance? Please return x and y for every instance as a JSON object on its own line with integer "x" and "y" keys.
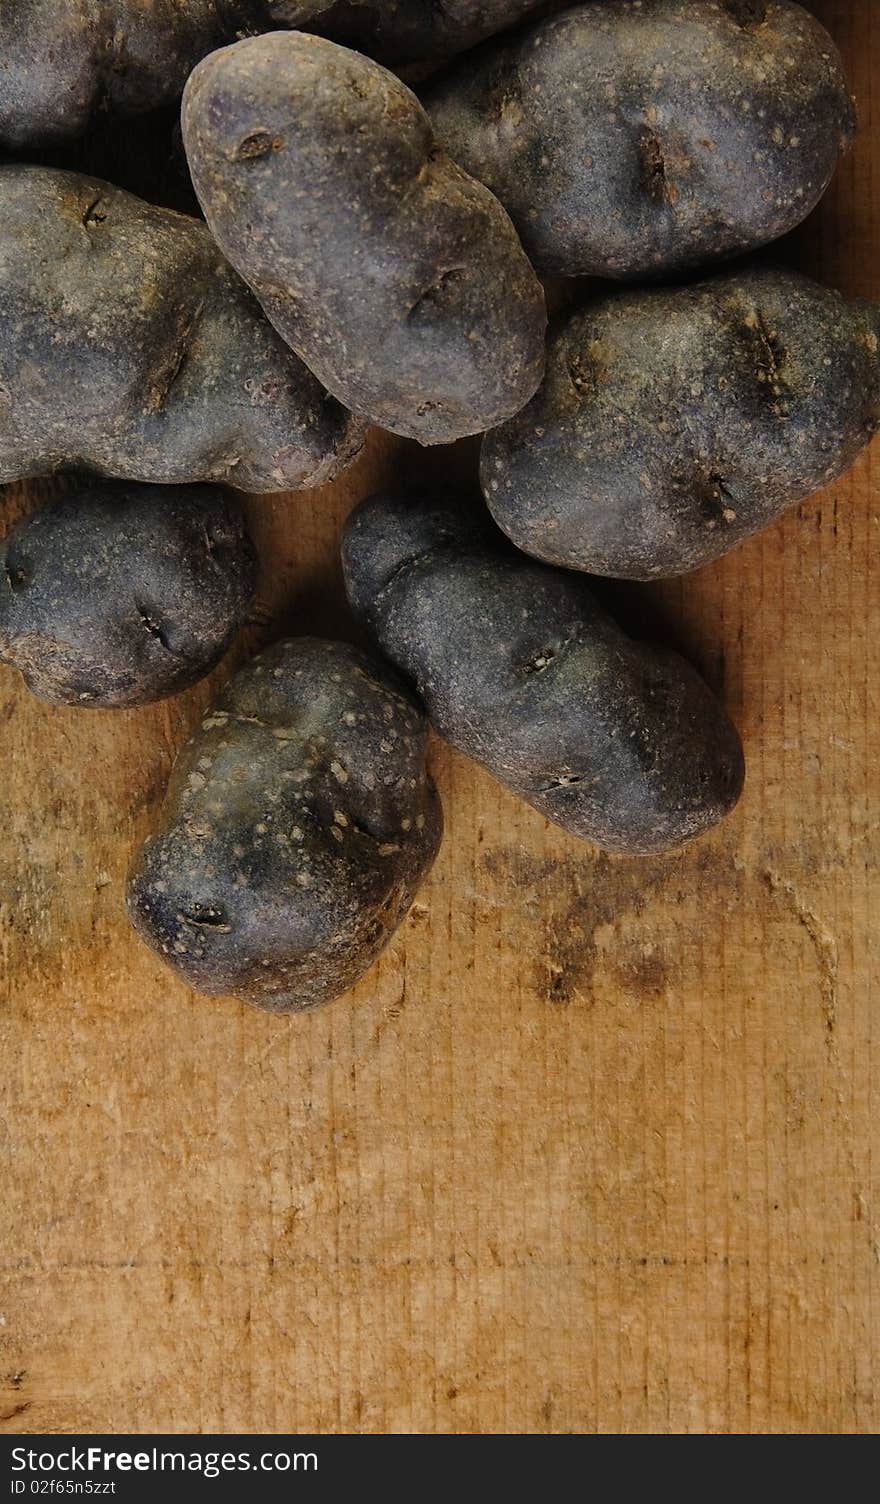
{"x": 595, "y": 1147}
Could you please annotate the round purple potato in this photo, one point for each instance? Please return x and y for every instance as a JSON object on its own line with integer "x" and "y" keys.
{"x": 398, "y": 279}
{"x": 619, "y": 742}
{"x": 630, "y": 138}
{"x": 129, "y": 347}
{"x": 119, "y": 594}
{"x": 675, "y": 423}
{"x": 299, "y": 823}
{"x": 62, "y": 61}
{"x": 400, "y": 31}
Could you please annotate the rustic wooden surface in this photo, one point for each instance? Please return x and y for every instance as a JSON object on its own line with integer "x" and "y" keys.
{"x": 595, "y": 1148}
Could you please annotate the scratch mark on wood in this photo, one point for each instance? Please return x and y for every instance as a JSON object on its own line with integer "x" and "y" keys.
{"x": 823, "y": 941}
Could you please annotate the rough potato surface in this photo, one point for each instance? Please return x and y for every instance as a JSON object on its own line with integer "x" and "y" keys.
{"x": 119, "y": 594}
{"x": 299, "y": 823}
{"x": 400, "y": 31}
{"x": 62, "y": 61}
{"x": 519, "y": 667}
{"x": 635, "y": 137}
{"x": 128, "y": 346}
{"x": 674, "y": 424}
{"x": 398, "y": 279}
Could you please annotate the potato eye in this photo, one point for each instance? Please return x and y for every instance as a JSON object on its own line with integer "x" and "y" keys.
{"x": 747, "y": 12}
{"x": 207, "y": 917}
{"x": 95, "y": 214}
{"x": 17, "y": 577}
{"x": 257, "y": 144}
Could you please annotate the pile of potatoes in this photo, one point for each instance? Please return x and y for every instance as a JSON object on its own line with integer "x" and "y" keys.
{"x": 373, "y": 253}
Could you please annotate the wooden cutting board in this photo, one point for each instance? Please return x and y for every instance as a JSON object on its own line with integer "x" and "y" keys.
{"x": 594, "y": 1148}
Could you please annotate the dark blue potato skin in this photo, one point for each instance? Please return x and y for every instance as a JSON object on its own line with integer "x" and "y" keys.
{"x": 298, "y": 825}
{"x": 399, "y": 280}
{"x": 632, "y": 138}
{"x": 619, "y": 742}
{"x": 400, "y": 31}
{"x": 62, "y": 61}
{"x": 673, "y": 424}
{"x": 119, "y": 594}
{"x": 129, "y": 347}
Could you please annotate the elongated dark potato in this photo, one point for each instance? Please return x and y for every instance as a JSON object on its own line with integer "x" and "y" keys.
{"x": 298, "y": 826}
{"x": 519, "y": 667}
{"x": 635, "y": 137}
{"x": 129, "y": 347}
{"x": 399, "y": 31}
{"x": 118, "y": 594}
{"x": 63, "y": 60}
{"x": 674, "y": 424}
{"x": 398, "y": 279}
